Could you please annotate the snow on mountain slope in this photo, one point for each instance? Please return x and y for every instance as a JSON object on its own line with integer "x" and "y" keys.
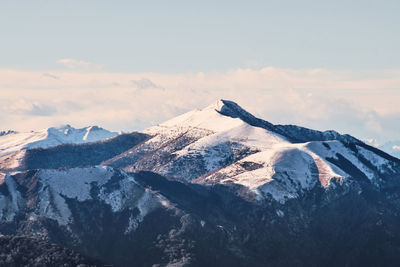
{"x": 202, "y": 139}
{"x": 14, "y": 141}
{"x": 8, "y": 202}
{"x": 283, "y": 170}
{"x": 208, "y": 118}
{"x": 286, "y": 170}
{"x": 48, "y": 194}
{"x": 378, "y": 165}
{"x": 221, "y": 148}
{"x": 225, "y": 144}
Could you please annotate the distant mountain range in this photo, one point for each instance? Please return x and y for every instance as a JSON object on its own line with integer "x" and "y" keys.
{"x": 215, "y": 187}
{"x": 12, "y": 141}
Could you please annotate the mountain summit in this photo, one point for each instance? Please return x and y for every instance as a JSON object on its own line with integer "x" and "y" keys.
{"x": 224, "y": 144}
{"x": 215, "y": 181}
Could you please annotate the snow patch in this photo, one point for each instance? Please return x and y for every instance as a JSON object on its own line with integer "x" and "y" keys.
{"x": 145, "y": 204}
{"x": 381, "y": 163}
{"x": 75, "y": 183}
{"x": 280, "y": 213}
{"x": 336, "y": 147}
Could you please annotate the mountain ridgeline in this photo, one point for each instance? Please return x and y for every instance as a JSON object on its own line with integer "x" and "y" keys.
{"x": 216, "y": 187}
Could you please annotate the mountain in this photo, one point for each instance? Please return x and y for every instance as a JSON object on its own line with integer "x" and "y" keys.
{"x": 14, "y": 145}
{"x": 223, "y": 144}
{"x": 390, "y": 147}
{"x": 11, "y": 141}
{"x": 215, "y": 187}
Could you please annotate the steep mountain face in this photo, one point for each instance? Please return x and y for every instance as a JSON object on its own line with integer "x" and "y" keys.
{"x": 215, "y": 187}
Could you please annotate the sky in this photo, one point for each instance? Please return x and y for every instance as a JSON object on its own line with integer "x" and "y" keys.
{"x": 127, "y": 65}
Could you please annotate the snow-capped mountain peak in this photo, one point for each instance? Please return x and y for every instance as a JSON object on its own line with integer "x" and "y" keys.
{"x": 225, "y": 114}
{"x": 209, "y": 118}
{"x": 72, "y": 135}
{"x": 53, "y": 136}
{"x": 224, "y": 144}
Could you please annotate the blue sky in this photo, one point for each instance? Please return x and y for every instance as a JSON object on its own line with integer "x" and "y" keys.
{"x": 179, "y": 36}
{"x": 126, "y": 65}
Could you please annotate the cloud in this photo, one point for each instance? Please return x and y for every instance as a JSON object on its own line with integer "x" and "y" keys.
{"x": 42, "y": 110}
{"x": 24, "y": 107}
{"x": 48, "y": 75}
{"x": 372, "y": 142}
{"x": 78, "y": 64}
{"x": 364, "y": 104}
{"x": 397, "y": 148}
{"x": 144, "y": 83}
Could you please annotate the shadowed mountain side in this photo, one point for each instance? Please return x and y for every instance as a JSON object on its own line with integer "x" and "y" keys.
{"x": 76, "y": 155}
{"x": 353, "y": 225}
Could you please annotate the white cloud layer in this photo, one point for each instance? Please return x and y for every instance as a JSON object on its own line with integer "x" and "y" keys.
{"x": 365, "y": 104}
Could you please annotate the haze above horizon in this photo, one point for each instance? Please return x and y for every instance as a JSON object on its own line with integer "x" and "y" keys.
{"x": 127, "y": 65}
